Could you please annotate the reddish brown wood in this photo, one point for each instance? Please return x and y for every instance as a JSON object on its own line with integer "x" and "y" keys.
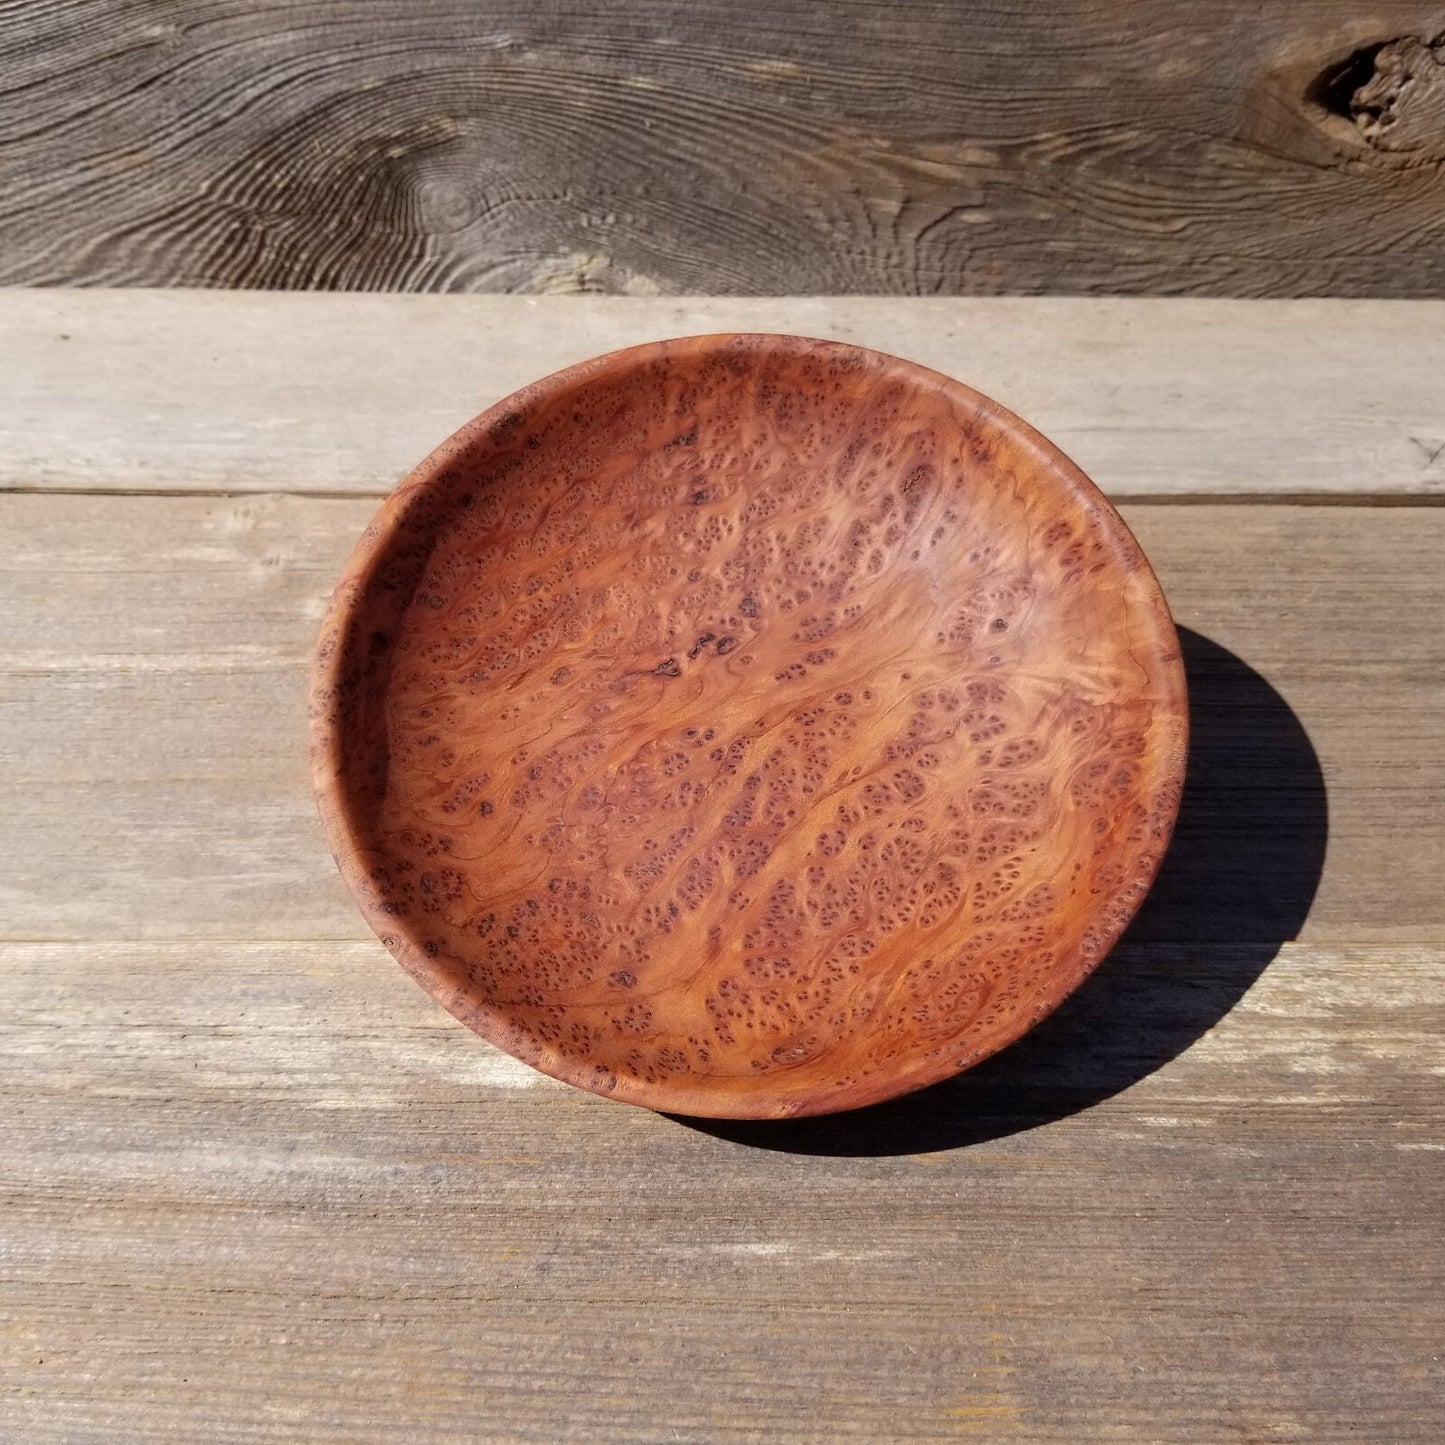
{"x": 748, "y": 726}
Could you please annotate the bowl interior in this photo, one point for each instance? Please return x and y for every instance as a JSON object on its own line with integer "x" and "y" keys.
{"x": 748, "y": 726}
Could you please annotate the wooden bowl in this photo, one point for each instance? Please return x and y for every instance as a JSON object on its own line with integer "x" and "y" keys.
{"x": 748, "y": 726}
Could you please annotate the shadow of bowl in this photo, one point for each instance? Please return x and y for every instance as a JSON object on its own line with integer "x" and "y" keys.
{"x": 1237, "y": 882}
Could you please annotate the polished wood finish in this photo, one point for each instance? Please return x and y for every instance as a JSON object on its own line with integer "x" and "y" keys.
{"x": 749, "y": 726}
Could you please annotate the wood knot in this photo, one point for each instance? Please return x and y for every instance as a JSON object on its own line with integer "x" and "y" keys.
{"x": 1393, "y": 93}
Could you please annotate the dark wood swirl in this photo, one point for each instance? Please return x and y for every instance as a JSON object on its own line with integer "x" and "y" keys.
{"x": 759, "y": 148}
{"x": 748, "y": 726}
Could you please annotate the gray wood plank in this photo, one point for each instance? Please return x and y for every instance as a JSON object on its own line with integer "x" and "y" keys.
{"x": 267, "y": 1191}
{"x": 262, "y": 392}
{"x": 779, "y": 148}
{"x": 153, "y": 654}
{"x": 255, "y": 1186}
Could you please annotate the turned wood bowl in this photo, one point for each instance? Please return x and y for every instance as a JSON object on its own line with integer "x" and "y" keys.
{"x": 748, "y": 726}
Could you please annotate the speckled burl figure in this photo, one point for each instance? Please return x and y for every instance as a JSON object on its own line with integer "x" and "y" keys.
{"x": 748, "y": 726}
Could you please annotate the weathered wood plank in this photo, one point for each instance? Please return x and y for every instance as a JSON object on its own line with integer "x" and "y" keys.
{"x": 332, "y": 1025}
{"x": 779, "y": 148}
{"x": 268, "y": 1191}
{"x": 153, "y": 653}
{"x": 255, "y": 1186}
{"x": 260, "y": 392}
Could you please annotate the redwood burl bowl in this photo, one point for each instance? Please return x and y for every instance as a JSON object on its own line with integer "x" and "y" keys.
{"x": 748, "y": 726}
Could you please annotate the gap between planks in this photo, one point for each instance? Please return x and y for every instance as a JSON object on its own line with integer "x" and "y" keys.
{"x": 1118, "y": 499}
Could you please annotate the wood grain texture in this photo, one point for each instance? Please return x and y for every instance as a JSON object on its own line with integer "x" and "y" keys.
{"x": 269, "y": 1191}
{"x": 905, "y": 149}
{"x": 748, "y": 726}
{"x": 254, "y": 1185}
{"x": 153, "y": 658}
{"x": 262, "y": 392}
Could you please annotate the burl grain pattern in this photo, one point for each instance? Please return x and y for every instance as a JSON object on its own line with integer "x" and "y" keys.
{"x": 748, "y": 726}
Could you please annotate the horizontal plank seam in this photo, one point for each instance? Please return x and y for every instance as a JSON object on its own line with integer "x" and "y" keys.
{"x": 72, "y": 940}
{"x": 321, "y": 494}
{"x": 1333, "y": 942}
{"x": 1129, "y": 499}
{"x": 1278, "y": 499}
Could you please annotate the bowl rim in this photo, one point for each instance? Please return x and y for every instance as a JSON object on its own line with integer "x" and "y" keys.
{"x": 690, "y": 1094}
